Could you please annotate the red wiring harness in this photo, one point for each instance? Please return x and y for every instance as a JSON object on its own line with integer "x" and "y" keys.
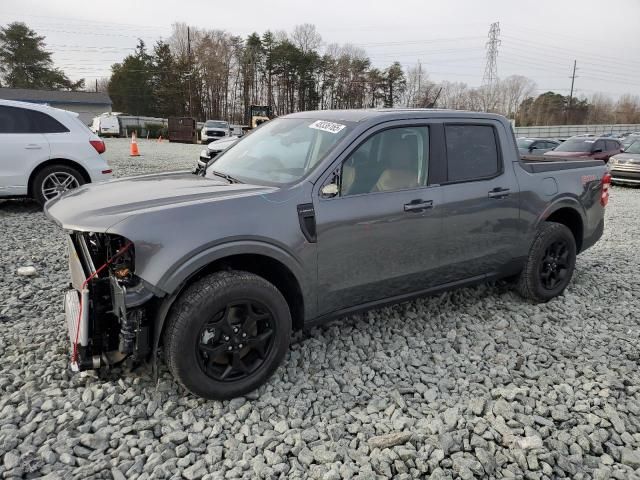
{"x": 74, "y": 356}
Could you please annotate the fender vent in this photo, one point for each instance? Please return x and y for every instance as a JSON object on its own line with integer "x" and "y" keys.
{"x": 307, "y": 219}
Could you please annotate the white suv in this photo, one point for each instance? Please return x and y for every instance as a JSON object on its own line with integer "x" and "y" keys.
{"x": 45, "y": 151}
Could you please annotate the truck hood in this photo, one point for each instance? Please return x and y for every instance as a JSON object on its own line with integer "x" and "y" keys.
{"x": 627, "y": 158}
{"x": 99, "y": 206}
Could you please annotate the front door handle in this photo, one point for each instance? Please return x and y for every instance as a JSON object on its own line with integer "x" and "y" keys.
{"x": 33, "y": 146}
{"x": 499, "y": 192}
{"x": 418, "y": 205}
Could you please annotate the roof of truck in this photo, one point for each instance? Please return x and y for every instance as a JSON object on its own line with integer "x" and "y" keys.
{"x": 359, "y": 115}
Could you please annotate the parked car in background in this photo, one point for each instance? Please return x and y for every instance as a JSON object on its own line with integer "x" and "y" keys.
{"x": 212, "y": 151}
{"x": 535, "y": 146}
{"x": 594, "y": 148}
{"x": 629, "y": 139}
{"x": 106, "y": 125}
{"x": 313, "y": 216}
{"x": 625, "y": 167}
{"x": 214, "y": 130}
{"x": 45, "y": 151}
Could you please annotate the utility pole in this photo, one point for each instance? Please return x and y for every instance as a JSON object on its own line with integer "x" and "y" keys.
{"x": 96, "y": 85}
{"x": 573, "y": 79}
{"x": 490, "y": 78}
{"x": 190, "y": 69}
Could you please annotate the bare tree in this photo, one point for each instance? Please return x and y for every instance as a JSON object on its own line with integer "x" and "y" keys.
{"x": 306, "y": 37}
{"x": 511, "y": 93}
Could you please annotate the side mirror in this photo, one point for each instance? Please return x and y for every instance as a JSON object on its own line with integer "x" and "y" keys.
{"x": 597, "y": 150}
{"x": 531, "y": 148}
{"x": 329, "y": 191}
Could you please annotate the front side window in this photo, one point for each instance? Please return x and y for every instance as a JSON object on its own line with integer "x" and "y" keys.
{"x": 281, "y": 151}
{"x": 391, "y": 160}
{"x": 472, "y": 152}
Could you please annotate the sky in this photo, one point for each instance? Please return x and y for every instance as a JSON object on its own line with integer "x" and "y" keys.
{"x": 539, "y": 39}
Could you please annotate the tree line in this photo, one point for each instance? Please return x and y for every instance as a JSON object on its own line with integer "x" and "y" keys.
{"x": 212, "y": 74}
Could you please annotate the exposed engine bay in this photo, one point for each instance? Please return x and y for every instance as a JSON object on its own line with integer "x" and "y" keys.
{"x": 106, "y": 308}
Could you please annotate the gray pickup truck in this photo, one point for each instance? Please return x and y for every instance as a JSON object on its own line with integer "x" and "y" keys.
{"x": 313, "y": 216}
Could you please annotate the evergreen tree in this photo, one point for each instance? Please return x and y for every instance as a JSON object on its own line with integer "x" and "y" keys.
{"x": 24, "y": 62}
{"x": 131, "y": 84}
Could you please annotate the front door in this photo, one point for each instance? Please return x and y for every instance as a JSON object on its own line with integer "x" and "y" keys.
{"x": 378, "y": 238}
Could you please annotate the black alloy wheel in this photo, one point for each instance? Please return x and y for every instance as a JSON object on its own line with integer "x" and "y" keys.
{"x": 555, "y": 264}
{"x": 236, "y": 341}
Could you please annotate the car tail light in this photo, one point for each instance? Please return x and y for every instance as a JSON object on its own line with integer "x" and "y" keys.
{"x": 604, "y": 193}
{"x": 98, "y": 145}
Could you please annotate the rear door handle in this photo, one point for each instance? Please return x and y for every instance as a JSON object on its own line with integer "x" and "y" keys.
{"x": 33, "y": 146}
{"x": 418, "y": 205}
{"x": 499, "y": 193}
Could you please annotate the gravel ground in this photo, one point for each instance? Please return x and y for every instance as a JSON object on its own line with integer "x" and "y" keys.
{"x": 472, "y": 383}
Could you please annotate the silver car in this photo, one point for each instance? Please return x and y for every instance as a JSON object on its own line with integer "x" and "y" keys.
{"x": 625, "y": 167}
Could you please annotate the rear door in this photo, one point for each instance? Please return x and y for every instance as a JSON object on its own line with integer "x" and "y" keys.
{"x": 22, "y": 149}
{"x": 379, "y": 236}
{"x": 481, "y": 199}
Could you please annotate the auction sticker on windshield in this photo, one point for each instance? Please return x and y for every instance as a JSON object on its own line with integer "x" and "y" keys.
{"x": 327, "y": 126}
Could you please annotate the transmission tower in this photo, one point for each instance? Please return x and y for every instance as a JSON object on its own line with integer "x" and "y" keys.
{"x": 490, "y": 78}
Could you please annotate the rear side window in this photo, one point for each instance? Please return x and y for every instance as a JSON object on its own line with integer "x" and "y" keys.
{"x": 14, "y": 120}
{"x": 23, "y": 120}
{"x": 472, "y": 152}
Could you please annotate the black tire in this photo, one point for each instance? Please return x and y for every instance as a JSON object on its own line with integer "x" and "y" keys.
{"x": 196, "y": 315}
{"x": 42, "y": 176}
{"x": 550, "y": 264}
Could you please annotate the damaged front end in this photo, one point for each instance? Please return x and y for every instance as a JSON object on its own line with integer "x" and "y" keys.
{"x": 107, "y": 308}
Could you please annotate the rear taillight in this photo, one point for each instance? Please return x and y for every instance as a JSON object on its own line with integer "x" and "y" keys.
{"x": 604, "y": 192}
{"x": 98, "y": 145}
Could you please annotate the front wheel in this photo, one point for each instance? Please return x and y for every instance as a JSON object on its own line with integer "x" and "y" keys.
{"x": 550, "y": 264}
{"x": 227, "y": 334}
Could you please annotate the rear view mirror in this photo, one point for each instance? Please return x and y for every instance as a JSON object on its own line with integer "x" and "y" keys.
{"x": 330, "y": 190}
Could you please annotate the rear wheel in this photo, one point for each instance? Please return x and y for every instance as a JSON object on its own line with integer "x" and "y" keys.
{"x": 54, "y": 180}
{"x": 227, "y": 334}
{"x": 550, "y": 264}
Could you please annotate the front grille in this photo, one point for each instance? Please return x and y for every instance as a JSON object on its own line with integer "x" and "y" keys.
{"x": 213, "y": 133}
{"x": 619, "y": 175}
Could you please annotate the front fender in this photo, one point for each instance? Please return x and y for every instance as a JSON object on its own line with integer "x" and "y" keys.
{"x": 177, "y": 277}
{"x": 180, "y": 272}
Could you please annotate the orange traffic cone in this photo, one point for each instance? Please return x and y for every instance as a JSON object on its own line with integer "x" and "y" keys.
{"x": 134, "y": 146}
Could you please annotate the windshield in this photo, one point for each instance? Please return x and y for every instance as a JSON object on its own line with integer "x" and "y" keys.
{"x": 524, "y": 142}
{"x": 634, "y": 147}
{"x": 216, "y": 124}
{"x": 576, "y": 145}
{"x": 280, "y": 151}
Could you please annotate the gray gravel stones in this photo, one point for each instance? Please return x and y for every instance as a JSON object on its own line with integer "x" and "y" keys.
{"x": 469, "y": 384}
